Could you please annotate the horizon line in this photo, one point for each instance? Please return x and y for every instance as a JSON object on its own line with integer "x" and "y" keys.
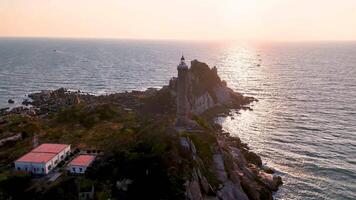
{"x": 177, "y": 39}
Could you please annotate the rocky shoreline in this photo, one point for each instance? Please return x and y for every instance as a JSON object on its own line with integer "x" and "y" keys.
{"x": 219, "y": 166}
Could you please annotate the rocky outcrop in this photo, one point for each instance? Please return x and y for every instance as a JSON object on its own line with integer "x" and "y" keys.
{"x": 231, "y": 188}
{"x": 3, "y": 111}
{"x": 233, "y": 172}
{"x": 202, "y": 103}
{"x": 206, "y": 90}
{"x": 238, "y": 175}
{"x": 52, "y": 101}
{"x": 47, "y": 102}
{"x": 30, "y": 111}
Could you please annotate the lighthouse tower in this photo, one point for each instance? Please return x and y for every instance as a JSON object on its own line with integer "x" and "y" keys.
{"x": 182, "y": 93}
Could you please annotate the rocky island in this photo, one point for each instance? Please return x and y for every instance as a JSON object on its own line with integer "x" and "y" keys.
{"x": 143, "y": 155}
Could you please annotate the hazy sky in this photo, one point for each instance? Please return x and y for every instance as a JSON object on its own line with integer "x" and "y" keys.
{"x": 181, "y": 19}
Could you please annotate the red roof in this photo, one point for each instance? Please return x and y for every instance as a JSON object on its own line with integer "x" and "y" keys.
{"x": 36, "y": 157}
{"x": 50, "y": 148}
{"x": 82, "y": 160}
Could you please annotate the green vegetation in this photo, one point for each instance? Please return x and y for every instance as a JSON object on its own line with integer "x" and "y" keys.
{"x": 11, "y": 183}
{"x": 88, "y": 116}
{"x": 136, "y": 147}
{"x": 147, "y": 157}
{"x": 204, "y": 143}
{"x": 19, "y": 124}
{"x": 162, "y": 102}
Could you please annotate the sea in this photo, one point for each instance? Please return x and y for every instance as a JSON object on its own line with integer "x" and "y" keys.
{"x": 303, "y": 126}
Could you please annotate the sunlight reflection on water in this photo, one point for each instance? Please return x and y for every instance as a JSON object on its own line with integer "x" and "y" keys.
{"x": 290, "y": 120}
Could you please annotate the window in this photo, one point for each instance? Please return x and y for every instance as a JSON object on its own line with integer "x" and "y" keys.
{"x": 19, "y": 168}
{"x": 61, "y": 156}
{"x": 43, "y": 170}
{"x": 49, "y": 167}
{"x": 80, "y": 169}
{"x": 73, "y": 169}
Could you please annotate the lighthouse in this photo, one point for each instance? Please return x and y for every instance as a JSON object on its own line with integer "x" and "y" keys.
{"x": 182, "y": 93}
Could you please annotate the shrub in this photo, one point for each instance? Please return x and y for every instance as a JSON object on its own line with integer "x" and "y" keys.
{"x": 14, "y": 185}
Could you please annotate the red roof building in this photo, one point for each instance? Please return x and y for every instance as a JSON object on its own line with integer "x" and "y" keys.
{"x": 80, "y": 163}
{"x": 50, "y": 148}
{"x": 43, "y": 158}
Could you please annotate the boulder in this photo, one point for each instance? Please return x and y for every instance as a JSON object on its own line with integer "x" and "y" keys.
{"x": 230, "y": 192}
{"x": 272, "y": 182}
{"x": 253, "y": 158}
{"x": 268, "y": 170}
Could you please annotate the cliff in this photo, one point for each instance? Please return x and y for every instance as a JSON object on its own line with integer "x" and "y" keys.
{"x": 238, "y": 172}
{"x": 231, "y": 172}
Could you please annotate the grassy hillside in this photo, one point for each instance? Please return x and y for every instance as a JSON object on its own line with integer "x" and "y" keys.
{"x": 137, "y": 147}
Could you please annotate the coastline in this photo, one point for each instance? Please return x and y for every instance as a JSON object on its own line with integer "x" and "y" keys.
{"x": 215, "y": 164}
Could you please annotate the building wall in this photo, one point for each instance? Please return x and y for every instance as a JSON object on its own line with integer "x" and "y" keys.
{"x": 76, "y": 169}
{"x": 36, "y": 168}
{"x": 57, "y": 159}
{"x": 61, "y": 155}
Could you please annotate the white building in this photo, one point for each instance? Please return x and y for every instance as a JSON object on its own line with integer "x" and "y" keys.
{"x": 43, "y": 158}
{"x": 80, "y": 164}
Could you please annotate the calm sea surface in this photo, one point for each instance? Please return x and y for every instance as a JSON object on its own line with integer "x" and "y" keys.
{"x": 304, "y": 124}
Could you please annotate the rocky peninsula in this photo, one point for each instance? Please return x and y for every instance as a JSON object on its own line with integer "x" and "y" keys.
{"x": 144, "y": 155}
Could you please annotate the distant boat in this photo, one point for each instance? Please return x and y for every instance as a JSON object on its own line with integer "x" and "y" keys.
{"x": 258, "y": 65}
{"x": 54, "y": 50}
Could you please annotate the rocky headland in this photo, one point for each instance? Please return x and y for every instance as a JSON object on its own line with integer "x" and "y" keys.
{"x": 136, "y": 132}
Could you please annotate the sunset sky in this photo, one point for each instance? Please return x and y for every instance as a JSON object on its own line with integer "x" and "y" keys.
{"x": 292, "y": 20}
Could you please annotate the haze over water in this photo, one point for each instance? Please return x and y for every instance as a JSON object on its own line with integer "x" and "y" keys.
{"x": 304, "y": 124}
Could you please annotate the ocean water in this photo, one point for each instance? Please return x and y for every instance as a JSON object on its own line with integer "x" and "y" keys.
{"x": 304, "y": 124}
